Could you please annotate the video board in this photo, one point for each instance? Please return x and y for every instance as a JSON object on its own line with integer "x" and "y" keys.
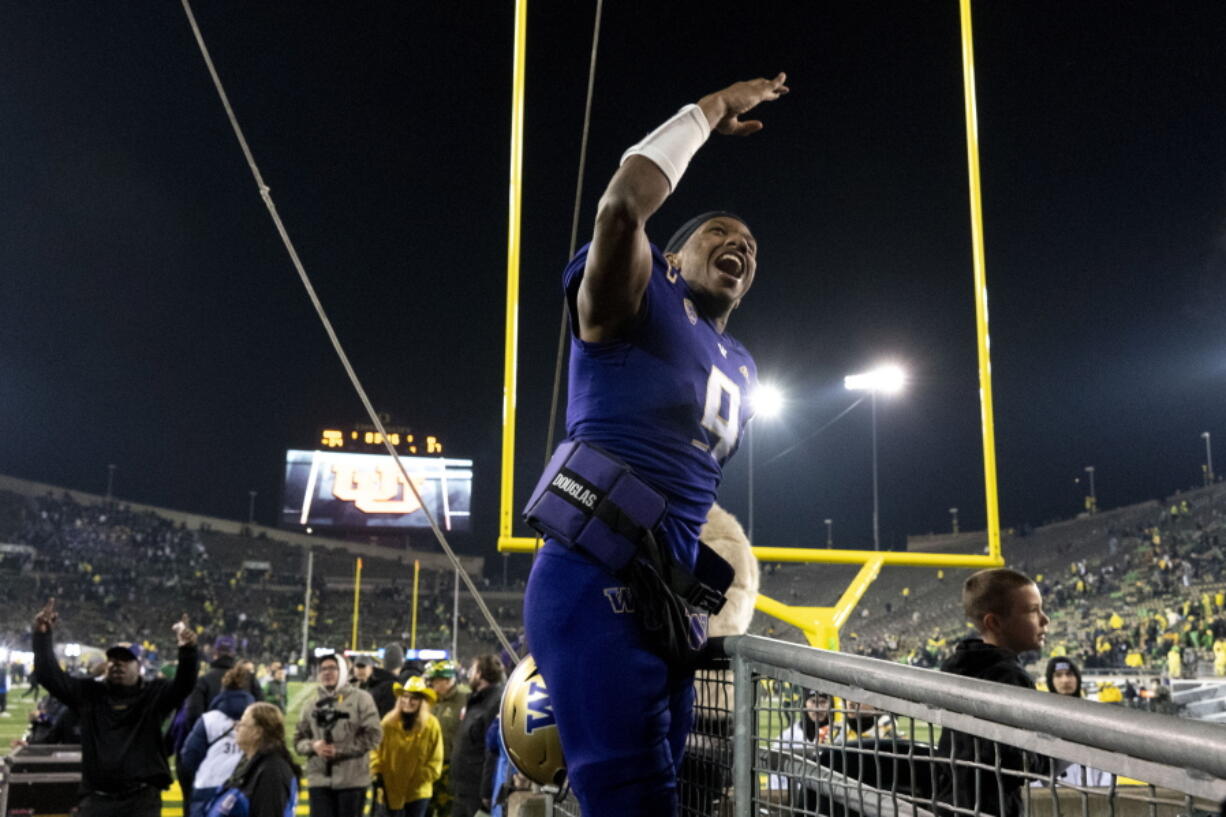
{"x": 337, "y": 489}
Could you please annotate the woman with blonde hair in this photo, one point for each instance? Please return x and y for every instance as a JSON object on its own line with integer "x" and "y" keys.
{"x": 410, "y": 755}
{"x": 265, "y": 784}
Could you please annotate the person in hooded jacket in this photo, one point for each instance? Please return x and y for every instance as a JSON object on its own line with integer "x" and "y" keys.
{"x": 336, "y": 733}
{"x": 1064, "y": 678}
{"x": 208, "y": 687}
{"x": 265, "y": 783}
{"x": 1005, "y": 606}
{"x": 211, "y": 752}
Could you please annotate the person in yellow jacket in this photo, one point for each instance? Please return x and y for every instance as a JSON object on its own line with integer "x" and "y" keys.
{"x": 1219, "y": 657}
{"x": 410, "y": 756}
{"x": 1109, "y": 693}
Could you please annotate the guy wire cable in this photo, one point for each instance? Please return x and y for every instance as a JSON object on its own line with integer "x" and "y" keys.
{"x": 266, "y": 195}
{"x": 799, "y": 443}
{"x": 564, "y": 327}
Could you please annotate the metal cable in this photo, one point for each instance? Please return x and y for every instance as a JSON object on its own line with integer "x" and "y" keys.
{"x": 266, "y": 195}
{"x": 796, "y": 445}
{"x": 564, "y": 324}
{"x": 564, "y": 328}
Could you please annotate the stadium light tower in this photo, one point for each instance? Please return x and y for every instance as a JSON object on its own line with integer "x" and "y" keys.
{"x": 251, "y": 507}
{"x": 829, "y": 533}
{"x": 1092, "y": 501}
{"x": 953, "y": 512}
{"x": 884, "y": 380}
{"x": 1204, "y": 435}
{"x": 110, "y": 482}
{"x": 767, "y": 403}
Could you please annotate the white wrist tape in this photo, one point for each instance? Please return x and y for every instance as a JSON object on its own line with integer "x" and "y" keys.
{"x": 671, "y": 146}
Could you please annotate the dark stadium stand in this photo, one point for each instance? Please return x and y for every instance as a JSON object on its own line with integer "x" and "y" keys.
{"x": 124, "y": 574}
{"x": 1122, "y": 587}
{"x": 1136, "y": 581}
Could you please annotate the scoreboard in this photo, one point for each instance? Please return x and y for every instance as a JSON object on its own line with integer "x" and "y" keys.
{"x": 366, "y": 438}
{"x": 345, "y": 484}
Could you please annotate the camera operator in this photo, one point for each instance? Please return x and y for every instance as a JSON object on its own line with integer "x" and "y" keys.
{"x": 123, "y": 768}
{"x": 336, "y": 734}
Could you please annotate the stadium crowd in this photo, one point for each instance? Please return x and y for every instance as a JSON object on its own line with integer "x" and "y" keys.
{"x": 1136, "y": 590}
{"x": 98, "y": 560}
{"x": 419, "y": 738}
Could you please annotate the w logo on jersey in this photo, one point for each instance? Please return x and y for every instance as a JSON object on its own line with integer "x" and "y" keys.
{"x": 620, "y": 599}
{"x": 540, "y": 709}
{"x": 698, "y": 630}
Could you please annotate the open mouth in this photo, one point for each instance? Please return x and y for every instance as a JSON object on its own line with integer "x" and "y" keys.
{"x": 731, "y": 263}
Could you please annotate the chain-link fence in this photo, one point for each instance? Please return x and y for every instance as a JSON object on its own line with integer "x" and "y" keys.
{"x": 789, "y": 731}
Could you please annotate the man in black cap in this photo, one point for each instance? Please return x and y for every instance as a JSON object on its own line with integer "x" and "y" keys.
{"x": 375, "y": 680}
{"x": 123, "y": 765}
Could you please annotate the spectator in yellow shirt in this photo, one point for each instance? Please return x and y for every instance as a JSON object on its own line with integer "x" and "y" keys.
{"x": 410, "y": 756}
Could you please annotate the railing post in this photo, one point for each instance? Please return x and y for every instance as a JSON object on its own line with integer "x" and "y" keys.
{"x": 745, "y": 720}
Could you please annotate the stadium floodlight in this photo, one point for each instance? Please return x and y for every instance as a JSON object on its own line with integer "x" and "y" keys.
{"x": 1092, "y": 499}
{"x": 1204, "y": 435}
{"x": 767, "y": 402}
{"x": 888, "y": 379}
{"x": 884, "y": 379}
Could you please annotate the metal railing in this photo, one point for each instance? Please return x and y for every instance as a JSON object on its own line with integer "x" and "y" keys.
{"x": 791, "y": 731}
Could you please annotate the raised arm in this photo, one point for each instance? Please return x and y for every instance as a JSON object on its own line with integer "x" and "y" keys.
{"x": 619, "y": 261}
{"x": 46, "y": 668}
{"x": 187, "y": 670}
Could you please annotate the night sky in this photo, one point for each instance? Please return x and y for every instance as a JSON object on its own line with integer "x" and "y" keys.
{"x": 150, "y": 318}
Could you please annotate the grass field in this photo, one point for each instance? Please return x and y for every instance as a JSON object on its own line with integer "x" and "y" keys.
{"x": 13, "y": 727}
{"x": 19, "y": 708}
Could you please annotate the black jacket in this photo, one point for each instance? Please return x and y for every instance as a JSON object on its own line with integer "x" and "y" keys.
{"x": 469, "y": 780}
{"x": 267, "y": 781}
{"x": 121, "y": 727}
{"x": 379, "y": 685}
{"x": 975, "y": 658}
{"x": 209, "y": 687}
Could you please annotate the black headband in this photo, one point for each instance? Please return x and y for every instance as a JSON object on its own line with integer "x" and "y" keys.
{"x": 686, "y": 230}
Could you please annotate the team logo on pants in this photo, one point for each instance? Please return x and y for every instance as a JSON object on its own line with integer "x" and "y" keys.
{"x": 698, "y": 630}
{"x": 620, "y": 599}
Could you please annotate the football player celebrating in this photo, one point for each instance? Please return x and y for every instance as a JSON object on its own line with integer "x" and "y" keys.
{"x": 617, "y": 602}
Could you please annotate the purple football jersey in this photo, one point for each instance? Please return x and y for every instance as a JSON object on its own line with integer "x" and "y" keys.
{"x": 670, "y": 399}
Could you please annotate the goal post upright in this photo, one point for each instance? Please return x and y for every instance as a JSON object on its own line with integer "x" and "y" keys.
{"x": 821, "y": 625}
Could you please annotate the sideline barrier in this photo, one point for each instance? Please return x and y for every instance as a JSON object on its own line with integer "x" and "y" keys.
{"x": 879, "y": 757}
